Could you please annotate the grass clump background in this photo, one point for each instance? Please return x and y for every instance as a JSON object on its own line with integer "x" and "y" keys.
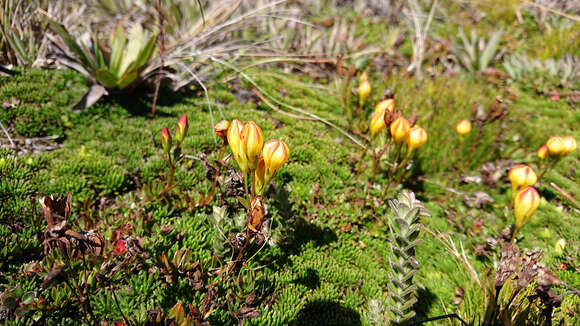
{"x": 327, "y": 260}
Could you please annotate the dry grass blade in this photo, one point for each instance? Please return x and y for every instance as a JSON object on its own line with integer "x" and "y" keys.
{"x": 293, "y": 108}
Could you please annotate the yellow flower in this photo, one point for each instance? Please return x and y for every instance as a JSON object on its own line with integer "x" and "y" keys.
{"x": 275, "y": 154}
{"x": 399, "y": 129}
{"x": 526, "y": 202}
{"x": 463, "y": 127}
{"x": 521, "y": 176}
{"x": 221, "y": 129}
{"x": 259, "y": 178}
{"x": 166, "y": 140}
{"x": 543, "y": 152}
{"x": 364, "y": 90}
{"x": 235, "y": 141}
{"x": 416, "y": 137}
{"x": 181, "y": 130}
{"x": 252, "y": 143}
{"x": 388, "y": 104}
{"x": 555, "y": 145}
{"x": 570, "y": 145}
{"x": 377, "y": 122}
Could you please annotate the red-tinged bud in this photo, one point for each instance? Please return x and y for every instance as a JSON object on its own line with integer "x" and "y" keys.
{"x": 463, "y": 128}
{"x": 120, "y": 247}
{"x": 252, "y": 143}
{"x": 526, "y": 202}
{"x": 570, "y": 145}
{"x": 166, "y": 140}
{"x": 543, "y": 152}
{"x": 522, "y": 176}
{"x": 416, "y": 137}
{"x": 181, "y": 129}
{"x": 221, "y": 129}
{"x": 364, "y": 90}
{"x": 399, "y": 130}
{"x": 377, "y": 123}
{"x": 388, "y": 104}
{"x": 555, "y": 145}
{"x": 260, "y": 178}
{"x": 234, "y": 135}
{"x": 275, "y": 154}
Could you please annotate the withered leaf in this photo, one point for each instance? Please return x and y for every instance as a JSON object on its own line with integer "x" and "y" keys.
{"x": 508, "y": 264}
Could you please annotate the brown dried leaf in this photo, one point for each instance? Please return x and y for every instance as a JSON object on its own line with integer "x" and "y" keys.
{"x": 256, "y": 216}
{"x": 508, "y": 264}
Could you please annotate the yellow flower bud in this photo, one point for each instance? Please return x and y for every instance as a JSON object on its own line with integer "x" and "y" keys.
{"x": 388, "y": 104}
{"x": 275, "y": 154}
{"x": 166, "y": 140}
{"x": 221, "y": 129}
{"x": 570, "y": 145}
{"x": 364, "y": 90}
{"x": 235, "y": 141}
{"x": 555, "y": 145}
{"x": 260, "y": 178}
{"x": 463, "y": 127}
{"x": 181, "y": 129}
{"x": 543, "y": 152}
{"x": 526, "y": 202}
{"x": 399, "y": 129}
{"x": 416, "y": 137}
{"x": 252, "y": 143}
{"x": 521, "y": 176}
{"x": 377, "y": 123}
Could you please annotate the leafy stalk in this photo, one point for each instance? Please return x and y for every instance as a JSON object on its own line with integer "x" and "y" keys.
{"x": 405, "y": 229}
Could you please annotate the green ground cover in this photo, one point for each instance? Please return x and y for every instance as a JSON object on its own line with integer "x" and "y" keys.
{"x": 327, "y": 260}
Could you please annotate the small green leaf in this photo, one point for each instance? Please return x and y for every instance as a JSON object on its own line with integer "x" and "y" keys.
{"x": 244, "y": 202}
{"x": 28, "y": 297}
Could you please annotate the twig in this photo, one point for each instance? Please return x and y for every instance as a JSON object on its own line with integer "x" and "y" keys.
{"x": 7, "y": 135}
{"x": 558, "y": 12}
{"x": 127, "y": 322}
{"x": 565, "y": 194}
{"x": 275, "y": 108}
{"x": 206, "y": 98}
{"x": 325, "y": 121}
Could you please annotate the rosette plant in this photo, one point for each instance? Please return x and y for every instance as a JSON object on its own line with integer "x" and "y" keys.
{"x": 117, "y": 66}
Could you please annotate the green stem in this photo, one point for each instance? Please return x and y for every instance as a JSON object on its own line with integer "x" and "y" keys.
{"x": 248, "y": 198}
{"x": 548, "y": 167}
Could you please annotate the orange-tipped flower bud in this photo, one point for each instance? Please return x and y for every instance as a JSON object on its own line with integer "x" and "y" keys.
{"x": 235, "y": 141}
{"x": 463, "y": 127}
{"x": 364, "y": 90}
{"x": 377, "y": 123}
{"x": 221, "y": 129}
{"x": 570, "y": 145}
{"x": 521, "y": 176}
{"x": 260, "y": 177}
{"x": 555, "y": 145}
{"x": 275, "y": 154}
{"x": 543, "y": 152}
{"x": 166, "y": 140}
{"x": 252, "y": 143}
{"x": 388, "y": 104}
{"x": 399, "y": 129}
{"x": 181, "y": 130}
{"x": 416, "y": 137}
{"x": 525, "y": 203}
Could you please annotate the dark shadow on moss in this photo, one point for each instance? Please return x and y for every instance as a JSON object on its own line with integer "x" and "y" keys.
{"x": 310, "y": 279}
{"x": 325, "y": 312}
{"x": 426, "y": 299}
